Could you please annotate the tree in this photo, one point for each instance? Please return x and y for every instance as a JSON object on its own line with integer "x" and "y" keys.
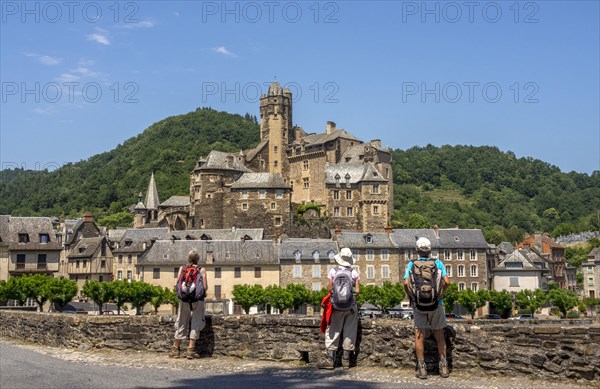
{"x": 3, "y": 290}
{"x": 368, "y": 293}
{"x": 300, "y": 295}
{"x": 591, "y": 303}
{"x": 173, "y": 299}
{"x": 247, "y": 296}
{"x": 530, "y": 300}
{"x": 37, "y": 288}
{"x": 141, "y": 294}
{"x": 450, "y": 297}
{"x": 316, "y": 296}
{"x": 121, "y": 293}
{"x": 159, "y": 298}
{"x": 563, "y": 299}
{"x": 472, "y": 300}
{"x": 502, "y": 301}
{"x": 279, "y": 298}
{"x": 61, "y": 292}
{"x": 99, "y": 292}
{"x": 15, "y": 289}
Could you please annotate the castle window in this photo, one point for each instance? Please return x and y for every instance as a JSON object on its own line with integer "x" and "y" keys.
{"x": 41, "y": 261}
{"x": 275, "y": 148}
{"x": 273, "y": 206}
{"x": 305, "y": 183}
{"x": 336, "y": 194}
{"x": 275, "y": 163}
{"x": 277, "y": 220}
{"x": 375, "y": 209}
{"x": 336, "y": 211}
{"x": 375, "y": 188}
{"x": 279, "y": 194}
{"x": 297, "y": 256}
{"x": 262, "y": 193}
{"x": 348, "y": 195}
{"x": 305, "y": 165}
{"x": 129, "y": 258}
{"x": 244, "y": 206}
{"x": 245, "y": 194}
{"x": 349, "y": 211}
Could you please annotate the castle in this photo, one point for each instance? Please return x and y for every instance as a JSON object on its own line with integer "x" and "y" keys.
{"x": 347, "y": 182}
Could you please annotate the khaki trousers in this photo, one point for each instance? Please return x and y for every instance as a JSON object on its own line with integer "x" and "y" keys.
{"x": 184, "y": 314}
{"x": 345, "y": 322}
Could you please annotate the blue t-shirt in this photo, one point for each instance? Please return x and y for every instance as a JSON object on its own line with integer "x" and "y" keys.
{"x": 438, "y": 264}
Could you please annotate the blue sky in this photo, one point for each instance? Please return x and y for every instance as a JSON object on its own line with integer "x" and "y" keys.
{"x": 82, "y": 77}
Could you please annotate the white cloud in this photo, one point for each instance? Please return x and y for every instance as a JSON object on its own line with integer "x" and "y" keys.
{"x": 140, "y": 24}
{"x": 176, "y": 13}
{"x": 67, "y": 77}
{"x": 223, "y": 51}
{"x": 44, "y": 59}
{"x": 44, "y": 111}
{"x": 99, "y": 38}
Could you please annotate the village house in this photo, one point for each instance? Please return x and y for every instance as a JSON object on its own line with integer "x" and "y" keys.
{"x": 90, "y": 259}
{"x": 518, "y": 270}
{"x": 553, "y": 254}
{"x": 591, "y": 274}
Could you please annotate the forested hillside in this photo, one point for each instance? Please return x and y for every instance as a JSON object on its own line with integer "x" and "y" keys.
{"x": 465, "y": 186}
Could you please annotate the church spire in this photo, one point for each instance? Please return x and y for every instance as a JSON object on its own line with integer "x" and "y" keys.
{"x": 152, "y": 201}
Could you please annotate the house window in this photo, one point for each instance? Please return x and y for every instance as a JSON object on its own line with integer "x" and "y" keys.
{"x": 23, "y": 238}
{"x": 336, "y": 194}
{"x": 277, "y": 220}
{"x": 175, "y": 272}
{"x": 262, "y": 194}
{"x": 100, "y": 278}
{"x": 305, "y": 165}
{"x": 244, "y": 194}
{"x": 385, "y": 255}
{"x": 590, "y": 269}
{"x": 316, "y": 255}
{"x": 474, "y": 286}
{"x": 349, "y": 211}
{"x": 385, "y": 271}
{"x": 129, "y": 258}
{"x": 348, "y": 195}
{"x": 297, "y": 271}
{"x": 44, "y": 238}
{"x": 449, "y": 270}
{"x": 369, "y": 239}
{"x": 316, "y": 286}
{"x": 85, "y": 263}
{"x": 316, "y": 271}
{"x": 218, "y": 291}
{"x": 473, "y": 270}
{"x": 514, "y": 282}
{"x": 336, "y": 211}
{"x": 77, "y": 264}
{"x": 447, "y": 255}
{"x": 473, "y": 255}
{"x": 279, "y": 194}
{"x": 120, "y": 259}
{"x": 244, "y": 206}
{"x": 305, "y": 182}
{"x": 370, "y": 255}
{"x": 102, "y": 263}
{"x": 375, "y": 189}
{"x": 356, "y": 255}
{"x": 370, "y": 271}
{"x": 273, "y": 206}
{"x": 461, "y": 271}
{"x": 119, "y": 275}
{"x": 257, "y": 272}
{"x": 237, "y": 272}
{"x": 460, "y": 255}
{"x": 461, "y": 286}
{"x": 129, "y": 274}
{"x": 41, "y": 261}
{"x": 217, "y": 272}
{"x": 156, "y": 273}
{"x": 375, "y": 209}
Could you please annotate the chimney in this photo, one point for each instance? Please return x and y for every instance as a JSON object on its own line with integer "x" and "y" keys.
{"x": 229, "y": 161}
{"x": 88, "y": 217}
{"x": 338, "y": 231}
{"x": 330, "y": 126}
{"x": 388, "y": 229}
{"x": 436, "y": 231}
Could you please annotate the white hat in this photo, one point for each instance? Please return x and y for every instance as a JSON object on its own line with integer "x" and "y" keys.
{"x": 345, "y": 258}
{"x": 423, "y": 244}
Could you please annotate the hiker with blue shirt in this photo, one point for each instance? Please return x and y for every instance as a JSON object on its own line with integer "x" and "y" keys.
{"x": 425, "y": 280}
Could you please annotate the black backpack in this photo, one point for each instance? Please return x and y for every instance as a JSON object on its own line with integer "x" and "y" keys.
{"x": 342, "y": 298}
{"x": 425, "y": 284}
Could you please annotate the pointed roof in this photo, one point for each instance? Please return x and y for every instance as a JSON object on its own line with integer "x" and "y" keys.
{"x": 152, "y": 201}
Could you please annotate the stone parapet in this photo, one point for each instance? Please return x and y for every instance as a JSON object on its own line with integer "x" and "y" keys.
{"x": 556, "y": 351}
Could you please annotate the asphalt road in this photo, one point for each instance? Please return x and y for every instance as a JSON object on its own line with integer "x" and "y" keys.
{"x": 24, "y": 366}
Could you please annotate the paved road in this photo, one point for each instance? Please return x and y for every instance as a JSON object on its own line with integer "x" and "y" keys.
{"x": 39, "y": 367}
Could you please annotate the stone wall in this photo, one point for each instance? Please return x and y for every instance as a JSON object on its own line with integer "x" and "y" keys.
{"x": 559, "y": 351}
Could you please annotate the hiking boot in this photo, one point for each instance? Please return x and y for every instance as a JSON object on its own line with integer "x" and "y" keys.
{"x": 192, "y": 354}
{"x": 346, "y": 359}
{"x": 328, "y": 363}
{"x": 175, "y": 352}
{"x": 444, "y": 369}
{"x": 421, "y": 370}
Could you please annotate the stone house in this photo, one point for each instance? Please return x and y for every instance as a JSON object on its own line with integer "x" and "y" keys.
{"x": 34, "y": 246}
{"x": 464, "y": 252}
{"x": 591, "y": 274}
{"x": 376, "y": 255}
{"x": 306, "y": 261}
{"x": 553, "y": 254}
{"x": 519, "y": 270}
{"x": 90, "y": 259}
{"x": 227, "y": 262}
{"x": 4, "y": 258}
{"x": 73, "y": 230}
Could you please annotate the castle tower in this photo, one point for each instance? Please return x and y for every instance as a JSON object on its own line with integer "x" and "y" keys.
{"x": 139, "y": 218}
{"x": 276, "y": 126}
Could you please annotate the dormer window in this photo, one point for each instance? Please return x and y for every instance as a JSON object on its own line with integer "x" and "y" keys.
{"x": 81, "y": 250}
{"x": 347, "y": 177}
{"x": 23, "y": 238}
{"x": 44, "y": 238}
{"x": 331, "y": 256}
{"x": 128, "y": 242}
{"x": 205, "y": 237}
{"x": 297, "y": 256}
{"x": 315, "y": 256}
{"x": 246, "y": 237}
{"x": 337, "y": 180}
{"x": 369, "y": 239}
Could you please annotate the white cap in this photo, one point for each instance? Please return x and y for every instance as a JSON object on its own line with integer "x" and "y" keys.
{"x": 423, "y": 244}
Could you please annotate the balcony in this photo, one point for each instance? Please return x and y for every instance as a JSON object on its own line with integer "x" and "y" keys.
{"x": 29, "y": 268}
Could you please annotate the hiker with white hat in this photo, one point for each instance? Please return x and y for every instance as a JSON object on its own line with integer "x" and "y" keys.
{"x": 343, "y": 287}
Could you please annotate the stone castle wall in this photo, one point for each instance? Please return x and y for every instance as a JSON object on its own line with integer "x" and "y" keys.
{"x": 558, "y": 351}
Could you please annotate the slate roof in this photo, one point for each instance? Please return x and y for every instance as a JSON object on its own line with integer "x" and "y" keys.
{"x": 219, "y": 234}
{"x": 176, "y": 201}
{"x": 4, "y": 231}
{"x": 86, "y": 247}
{"x": 33, "y": 226}
{"x": 506, "y": 247}
{"x": 116, "y": 234}
{"x": 250, "y": 154}
{"x": 355, "y": 152}
{"x": 307, "y": 248}
{"x": 218, "y": 160}
{"x": 137, "y": 236}
{"x": 317, "y": 139}
{"x": 449, "y": 238}
{"x": 358, "y": 240}
{"x": 357, "y": 172}
{"x": 260, "y": 180}
{"x": 225, "y": 252}
{"x": 595, "y": 253}
{"x": 517, "y": 256}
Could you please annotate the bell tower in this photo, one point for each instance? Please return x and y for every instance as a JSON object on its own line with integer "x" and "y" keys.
{"x": 276, "y": 126}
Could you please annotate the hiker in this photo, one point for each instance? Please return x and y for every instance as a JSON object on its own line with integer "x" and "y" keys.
{"x": 425, "y": 281}
{"x": 191, "y": 306}
{"x": 343, "y": 286}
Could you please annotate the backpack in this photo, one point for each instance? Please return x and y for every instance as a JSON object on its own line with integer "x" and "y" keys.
{"x": 342, "y": 298}
{"x": 425, "y": 286}
{"x": 190, "y": 287}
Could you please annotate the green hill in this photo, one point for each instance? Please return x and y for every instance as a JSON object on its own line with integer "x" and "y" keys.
{"x": 466, "y": 186}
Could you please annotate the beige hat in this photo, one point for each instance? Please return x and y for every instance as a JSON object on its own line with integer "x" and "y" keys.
{"x": 345, "y": 258}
